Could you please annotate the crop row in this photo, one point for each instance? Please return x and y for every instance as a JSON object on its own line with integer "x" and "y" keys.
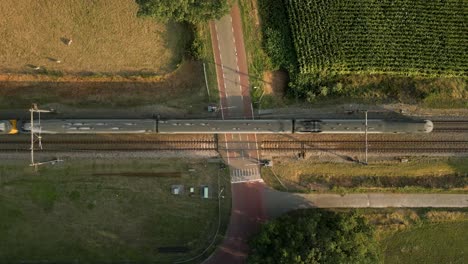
{"x": 425, "y": 36}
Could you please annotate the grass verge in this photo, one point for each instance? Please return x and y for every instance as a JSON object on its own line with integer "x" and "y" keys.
{"x": 257, "y": 60}
{"x": 105, "y": 211}
{"x": 203, "y": 51}
{"x": 419, "y": 175}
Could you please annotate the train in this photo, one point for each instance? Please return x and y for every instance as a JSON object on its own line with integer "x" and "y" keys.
{"x": 204, "y": 126}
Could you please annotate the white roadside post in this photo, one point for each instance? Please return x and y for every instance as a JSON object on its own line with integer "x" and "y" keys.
{"x": 366, "y": 135}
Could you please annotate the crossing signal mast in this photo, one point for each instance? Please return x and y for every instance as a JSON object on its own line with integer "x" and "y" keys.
{"x": 36, "y": 136}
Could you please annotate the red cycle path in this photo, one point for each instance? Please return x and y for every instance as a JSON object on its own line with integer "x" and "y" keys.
{"x": 247, "y": 211}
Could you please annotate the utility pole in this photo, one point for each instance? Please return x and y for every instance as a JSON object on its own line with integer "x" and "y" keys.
{"x": 37, "y": 134}
{"x": 206, "y": 81}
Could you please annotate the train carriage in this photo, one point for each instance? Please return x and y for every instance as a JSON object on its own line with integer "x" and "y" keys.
{"x": 345, "y": 126}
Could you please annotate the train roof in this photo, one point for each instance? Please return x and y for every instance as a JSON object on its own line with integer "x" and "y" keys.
{"x": 224, "y": 126}
{"x": 95, "y": 126}
{"x": 358, "y": 126}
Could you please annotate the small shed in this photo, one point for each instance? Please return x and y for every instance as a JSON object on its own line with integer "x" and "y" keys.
{"x": 205, "y": 193}
{"x": 177, "y": 189}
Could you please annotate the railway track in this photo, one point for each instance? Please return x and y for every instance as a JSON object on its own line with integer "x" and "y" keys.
{"x": 376, "y": 146}
{"x": 113, "y": 145}
{"x": 451, "y": 126}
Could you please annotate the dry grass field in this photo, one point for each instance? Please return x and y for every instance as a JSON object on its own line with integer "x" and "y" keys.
{"x": 107, "y": 37}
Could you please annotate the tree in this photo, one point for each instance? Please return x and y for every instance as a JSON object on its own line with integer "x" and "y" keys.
{"x": 193, "y": 11}
{"x": 315, "y": 236}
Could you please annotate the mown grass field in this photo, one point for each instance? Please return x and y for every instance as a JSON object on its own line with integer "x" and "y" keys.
{"x": 426, "y": 175}
{"x": 420, "y": 235}
{"x": 431, "y": 243}
{"x": 107, "y": 211}
{"x": 107, "y": 37}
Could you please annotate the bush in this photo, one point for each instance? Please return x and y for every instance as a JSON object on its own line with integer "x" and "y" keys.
{"x": 315, "y": 236}
{"x": 183, "y": 10}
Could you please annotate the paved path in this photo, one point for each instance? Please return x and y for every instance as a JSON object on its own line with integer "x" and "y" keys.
{"x": 278, "y": 203}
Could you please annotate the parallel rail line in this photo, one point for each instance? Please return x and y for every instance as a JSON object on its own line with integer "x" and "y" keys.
{"x": 432, "y": 146}
{"x": 454, "y": 126}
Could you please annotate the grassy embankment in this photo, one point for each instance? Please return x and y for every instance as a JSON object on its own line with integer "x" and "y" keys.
{"x": 418, "y": 175}
{"x": 340, "y": 70}
{"x": 114, "y": 61}
{"x": 108, "y": 211}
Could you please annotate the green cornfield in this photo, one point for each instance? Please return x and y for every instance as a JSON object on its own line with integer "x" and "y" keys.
{"x": 409, "y": 37}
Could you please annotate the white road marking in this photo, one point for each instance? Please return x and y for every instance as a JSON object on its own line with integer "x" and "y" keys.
{"x": 256, "y": 147}
{"x": 227, "y": 149}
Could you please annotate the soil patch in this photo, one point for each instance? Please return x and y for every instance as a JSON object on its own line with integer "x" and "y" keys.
{"x": 275, "y": 82}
